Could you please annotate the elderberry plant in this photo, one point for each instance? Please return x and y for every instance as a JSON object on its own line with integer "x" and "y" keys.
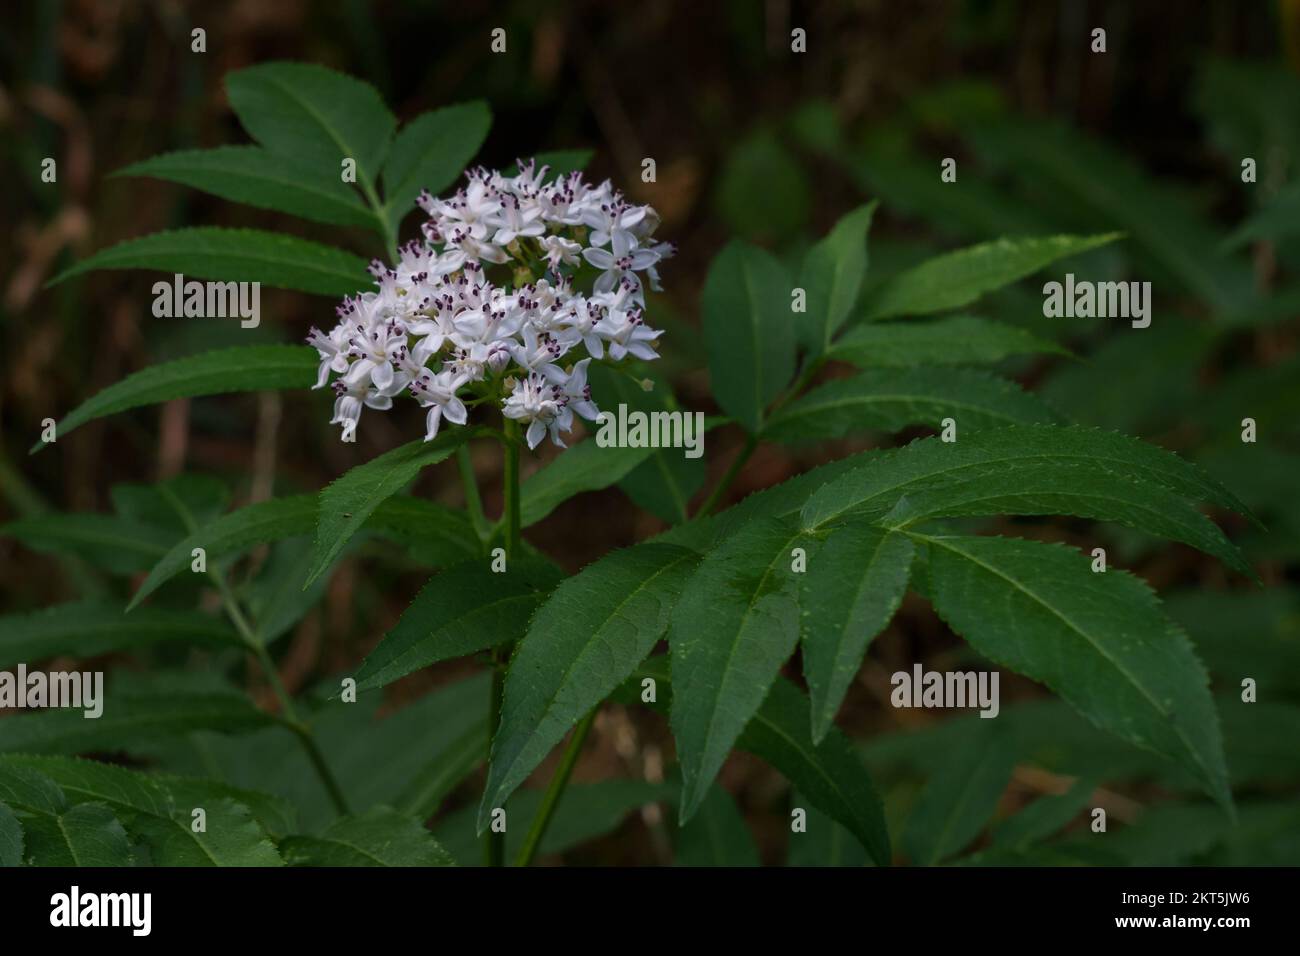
{"x": 517, "y": 314}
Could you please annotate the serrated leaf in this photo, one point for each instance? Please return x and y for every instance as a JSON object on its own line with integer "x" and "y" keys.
{"x": 90, "y": 628}
{"x": 736, "y": 623}
{"x": 585, "y": 467}
{"x": 379, "y": 837}
{"x": 848, "y": 595}
{"x": 232, "y": 837}
{"x": 348, "y": 501}
{"x": 1050, "y": 487}
{"x": 716, "y": 835}
{"x": 1101, "y": 641}
{"x": 832, "y": 278}
{"x": 310, "y": 112}
{"x": 958, "y": 278}
{"x": 959, "y": 799}
{"x": 83, "y": 836}
{"x": 830, "y": 775}
{"x": 258, "y": 177}
{"x": 253, "y": 368}
{"x": 259, "y": 523}
{"x": 464, "y": 609}
{"x": 879, "y": 481}
{"x": 1106, "y": 189}
{"x": 127, "y": 720}
{"x": 583, "y": 642}
{"x": 892, "y": 399}
{"x": 748, "y": 331}
{"x": 234, "y": 255}
{"x": 104, "y": 541}
{"x": 429, "y": 153}
{"x": 959, "y": 340}
{"x": 11, "y": 837}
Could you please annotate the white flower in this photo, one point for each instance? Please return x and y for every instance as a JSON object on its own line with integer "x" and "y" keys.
{"x": 446, "y": 318}
{"x": 438, "y": 394}
{"x": 560, "y": 250}
{"x": 534, "y": 400}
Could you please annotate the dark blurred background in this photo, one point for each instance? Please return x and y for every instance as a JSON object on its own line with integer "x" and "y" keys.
{"x": 750, "y": 140}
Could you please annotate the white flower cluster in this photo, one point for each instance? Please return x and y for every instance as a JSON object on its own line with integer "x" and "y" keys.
{"x": 439, "y": 328}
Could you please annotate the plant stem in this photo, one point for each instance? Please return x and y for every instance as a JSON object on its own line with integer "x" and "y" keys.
{"x": 512, "y": 487}
{"x": 473, "y": 501}
{"x": 495, "y": 845}
{"x": 555, "y": 790}
{"x": 253, "y": 641}
{"x": 751, "y": 442}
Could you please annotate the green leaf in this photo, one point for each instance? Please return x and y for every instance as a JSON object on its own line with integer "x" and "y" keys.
{"x": 664, "y": 483}
{"x": 848, "y": 596}
{"x": 1106, "y": 189}
{"x": 310, "y": 112}
{"x": 91, "y": 628}
{"x": 430, "y": 152}
{"x": 127, "y": 720}
{"x": 233, "y": 837}
{"x": 584, "y": 641}
{"x": 891, "y": 399}
{"x": 832, "y": 277}
{"x": 585, "y": 467}
{"x": 435, "y": 535}
{"x": 824, "y": 842}
{"x": 959, "y": 340}
{"x": 880, "y": 481}
{"x": 201, "y": 497}
{"x": 464, "y": 609}
{"x": 114, "y": 544}
{"x": 1101, "y": 641}
{"x": 1045, "y": 816}
{"x": 85, "y": 835}
{"x": 233, "y": 255}
{"x": 155, "y": 794}
{"x": 379, "y": 837}
{"x": 233, "y": 533}
{"x": 256, "y": 177}
{"x": 830, "y": 775}
{"x": 11, "y": 838}
{"x": 956, "y": 279}
{"x": 1057, "y": 488}
{"x": 760, "y": 165}
{"x": 585, "y": 812}
{"x": 716, "y": 835}
{"x": 1279, "y": 218}
{"x": 253, "y": 368}
{"x": 277, "y": 599}
{"x": 349, "y": 500}
{"x": 959, "y": 799}
{"x": 748, "y": 331}
{"x": 736, "y": 623}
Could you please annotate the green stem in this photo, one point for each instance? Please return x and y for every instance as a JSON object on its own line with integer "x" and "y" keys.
{"x": 751, "y": 442}
{"x": 512, "y": 487}
{"x": 555, "y": 790}
{"x": 253, "y": 641}
{"x": 473, "y": 501}
{"x": 495, "y": 845}
{"x": 381, "y": 218}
